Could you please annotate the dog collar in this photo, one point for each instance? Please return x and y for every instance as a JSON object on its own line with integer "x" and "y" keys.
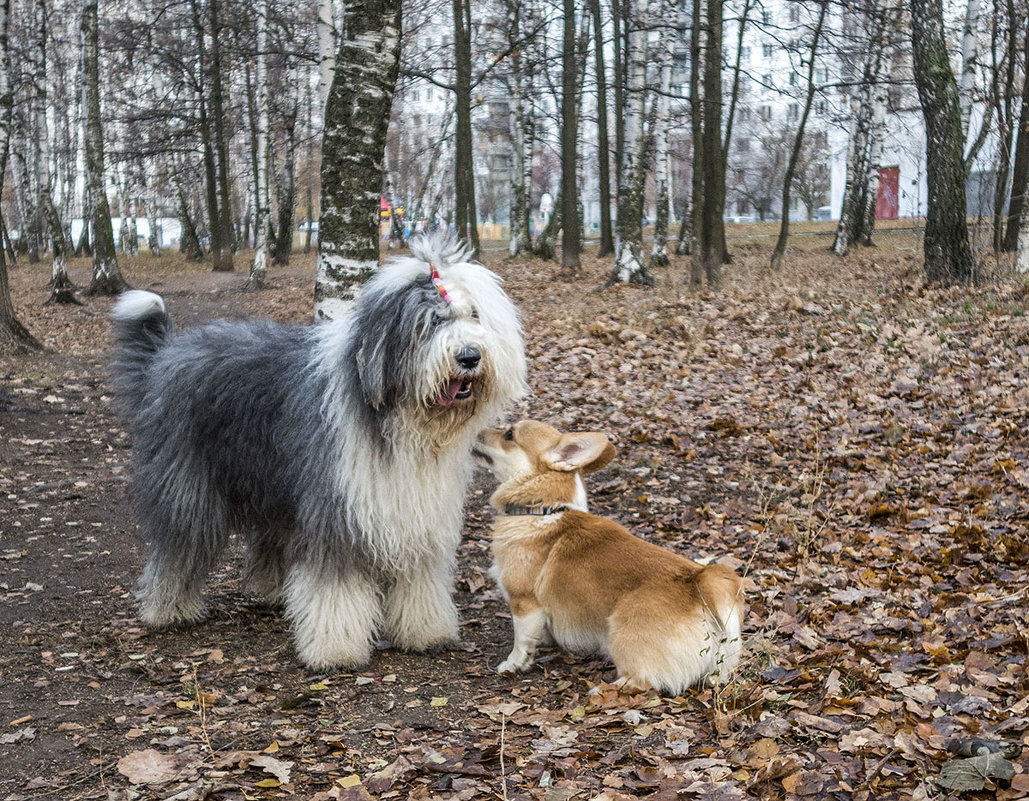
{"x": 434, "y": 274}
{"x": 536, "y": 510}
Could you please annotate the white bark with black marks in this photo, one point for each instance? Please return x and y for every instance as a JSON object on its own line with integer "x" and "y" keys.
{"x": 659, "y": 249}
{"x": 969, "y": 60}
{"x": 356, "y": 116}
{"x": 259, "y": 269}
{"x": 107, "y": 278}
{"x": 629, "y": 264}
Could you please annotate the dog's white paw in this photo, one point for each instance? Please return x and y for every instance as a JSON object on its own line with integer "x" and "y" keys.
{"x": 428, "y": 640}
{"x": 510, "y": 665}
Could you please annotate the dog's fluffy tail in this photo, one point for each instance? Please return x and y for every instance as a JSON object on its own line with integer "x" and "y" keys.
{"x": 141, "y": 327}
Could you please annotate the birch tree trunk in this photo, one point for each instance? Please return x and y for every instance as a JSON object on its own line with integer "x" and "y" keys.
{"x": 629, "y": 264}
{"x": 948, "y": 255}
{"x": 691, "y": 234}
{"x": 1022, "y": 258}
{"x": 262, "y": 210}
{"x": 222, "y": 256}
{"x": 107, "y": 278}
{"x": 13, "y": 335}
{"x": 327, "y": 37}
{"x": 607, "y": 243}
{"x": 865, "y": 135}
{"x": 870, "y": 197}
{"x": 659, "y": 249}
{"x": 1020, "y": 171}
{"x": 288, "y": 190}
{"x": 354, "y": 142}
{"x": 712, "y": 240}
{"x": 522, "y": 130}
{"x": 570, "y": 230}
{"x": 798, "y": 141}
{"x": 465, "y": 215}
{"x": 969, "y": 60}
{"x": 189, "y": 242}
{"x": 61, "y": 288}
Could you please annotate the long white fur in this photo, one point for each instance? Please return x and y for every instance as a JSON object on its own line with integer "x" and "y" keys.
{"x": 136, "y": 303}
{"x": 400, "y": 478}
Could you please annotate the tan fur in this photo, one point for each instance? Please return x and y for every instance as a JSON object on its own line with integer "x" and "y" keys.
{"x": 665, "y": 620}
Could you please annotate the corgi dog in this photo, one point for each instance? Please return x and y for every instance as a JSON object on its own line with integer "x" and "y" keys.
{"x": 585, "y": 582}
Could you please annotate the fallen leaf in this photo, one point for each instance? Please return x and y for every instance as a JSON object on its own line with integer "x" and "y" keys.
{"x": 148, "y": 767}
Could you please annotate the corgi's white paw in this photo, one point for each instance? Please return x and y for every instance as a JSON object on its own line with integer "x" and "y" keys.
{"x": 512, "y": 665}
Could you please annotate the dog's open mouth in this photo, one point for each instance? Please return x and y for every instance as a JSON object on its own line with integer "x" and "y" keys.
{"x": 457, "y": 389}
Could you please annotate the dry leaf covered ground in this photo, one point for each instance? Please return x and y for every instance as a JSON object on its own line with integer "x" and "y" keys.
{"x": 852, "y": 441}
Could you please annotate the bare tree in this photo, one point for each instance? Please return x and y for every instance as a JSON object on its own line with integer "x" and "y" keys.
{"x": 798, "y": 141}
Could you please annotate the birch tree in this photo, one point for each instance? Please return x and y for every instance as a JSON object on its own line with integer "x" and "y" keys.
{"x": 948, "y": 255}
{"x": 262, "y": 205}
{"x": 1022, "y": 257}
{"x": 969, "y": 60}
{"x": 662, "y": 121}
{"x": 570, "y": 235}
{"x": 13, "y": 335}
{"x": 607, "y": 244}
{"x": 711, "y": 235}
{"x": 866, "y": 130}
{"x": 465, "y": 212}
{"x": 1020, "y": 172}
{"x": 62, "y": 290}
{"x": 107, "y": 278}
{"x": 356, "y": 116}
{"x": 520, "y": 85}
{"x": 629, "y": 264}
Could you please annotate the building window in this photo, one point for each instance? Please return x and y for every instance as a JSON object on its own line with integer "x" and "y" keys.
{"x": 821, "y": 107}
{"x": 768, "y": 18}
{"x": 766, "y": 50}
{"x": 766, "y": 79}
{"x": 793, "y": 111}
{"x": 794, "y": 79}
{"x": 415, "y": 95}
{"x": 794, "y": 13}
{"x": 744, "y": 54}
{"x": 765, "y": 111}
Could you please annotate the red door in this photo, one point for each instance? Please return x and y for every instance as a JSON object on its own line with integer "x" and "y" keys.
{"x": 886, "y": 202}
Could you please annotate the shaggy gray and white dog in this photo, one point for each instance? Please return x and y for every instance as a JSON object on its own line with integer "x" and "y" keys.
{"x": 341, "y": 451}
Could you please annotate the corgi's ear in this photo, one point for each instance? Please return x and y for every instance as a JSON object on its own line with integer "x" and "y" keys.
{"x": 586, "y": 452}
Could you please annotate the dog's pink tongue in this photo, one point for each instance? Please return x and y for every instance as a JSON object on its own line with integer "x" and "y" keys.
{"x": 447, "y": 396}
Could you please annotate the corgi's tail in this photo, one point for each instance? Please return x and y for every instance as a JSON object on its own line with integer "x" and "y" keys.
{"x": 722, "y": 593}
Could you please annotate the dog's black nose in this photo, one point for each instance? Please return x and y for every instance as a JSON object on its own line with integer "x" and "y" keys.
{"x": 469, "y": 358}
